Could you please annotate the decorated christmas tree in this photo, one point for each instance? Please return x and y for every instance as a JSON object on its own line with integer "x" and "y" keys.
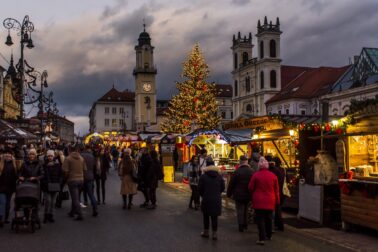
{"x": 195, "y": 103}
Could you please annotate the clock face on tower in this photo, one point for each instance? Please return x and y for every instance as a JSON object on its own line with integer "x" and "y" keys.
{"x": 147, "y": 87}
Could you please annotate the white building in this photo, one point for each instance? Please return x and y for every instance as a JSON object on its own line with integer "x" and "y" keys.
{"x": 224, "y": 102}
{"x": 256, "y": 79}
{"x": 120, "y": 111}
{"x": 302, "y": 95}
{"x": 114, "y": 111}
{"x": 360, "y": 82}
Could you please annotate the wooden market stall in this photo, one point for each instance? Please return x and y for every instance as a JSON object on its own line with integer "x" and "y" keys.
{"x": 359, "y": 190}
{"x": 12, "y": 135}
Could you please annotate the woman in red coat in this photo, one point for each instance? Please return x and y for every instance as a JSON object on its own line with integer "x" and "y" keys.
{"x": 265, "y": 196}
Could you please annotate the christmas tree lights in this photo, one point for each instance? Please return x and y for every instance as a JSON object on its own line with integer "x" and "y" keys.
{"x": 195, "y": 103}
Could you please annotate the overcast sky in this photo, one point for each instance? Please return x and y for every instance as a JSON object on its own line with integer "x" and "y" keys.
{"x": 88, "y": 45}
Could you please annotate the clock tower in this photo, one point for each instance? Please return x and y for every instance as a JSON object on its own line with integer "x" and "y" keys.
{"x": 145, "y": 84}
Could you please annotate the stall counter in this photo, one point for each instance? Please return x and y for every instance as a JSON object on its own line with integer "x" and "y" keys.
{"x": 359, "y": 202}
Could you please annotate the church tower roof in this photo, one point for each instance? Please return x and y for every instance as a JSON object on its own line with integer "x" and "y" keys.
{"x": 144, "y": 37}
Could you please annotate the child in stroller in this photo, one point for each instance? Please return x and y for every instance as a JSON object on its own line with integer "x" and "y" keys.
{"x": 26, "y": 206}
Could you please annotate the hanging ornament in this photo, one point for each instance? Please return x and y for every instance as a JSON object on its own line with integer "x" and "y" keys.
{"x": 296, "y": 143}
{"x": 195, "y": 99}
{"x": 339, "y": 131}
{"x": 204, "y": 88}
{"x": 301, "y": 126}
{"x": 186, "y": 123}
{"x": 327, "y": 127}
{"x": 316, "y": 128}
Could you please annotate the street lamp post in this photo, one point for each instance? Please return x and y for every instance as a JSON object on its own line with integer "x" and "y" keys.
{"x": 25, "y": 28}
{"x": 34, "y": 77}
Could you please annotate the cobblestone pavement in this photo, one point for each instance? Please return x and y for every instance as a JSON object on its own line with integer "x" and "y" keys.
{"x": 171, "y": 227}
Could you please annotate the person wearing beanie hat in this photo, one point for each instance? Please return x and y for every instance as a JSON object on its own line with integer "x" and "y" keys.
{"x": 210, "y": 187}
{"x": 265, "y": 196}
{"x": 51, "y": 184}
{"x": 238, "y": 190}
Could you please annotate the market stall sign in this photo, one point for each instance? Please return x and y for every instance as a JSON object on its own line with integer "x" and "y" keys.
{"x": 265, "y": 122}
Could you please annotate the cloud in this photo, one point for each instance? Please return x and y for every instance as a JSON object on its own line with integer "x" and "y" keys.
{"x": 241, "y": 2}
{"x": 86, "y": 55}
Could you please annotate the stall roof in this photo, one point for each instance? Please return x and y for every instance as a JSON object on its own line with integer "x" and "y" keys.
{"x": 229, "y": 136}
{"x": 306, "y": 119}
{"x": 9, "y": 132}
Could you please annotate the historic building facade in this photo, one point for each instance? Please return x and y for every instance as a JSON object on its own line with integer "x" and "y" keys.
{"x": 256, "y": 79}
{"x": 224, "y": 102}
{"x": 145, "y": 83}
{"x": 114, "y": 111}
{"x": 360, "y": 82}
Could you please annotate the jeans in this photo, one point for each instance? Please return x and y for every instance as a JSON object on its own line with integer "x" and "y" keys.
{"x": 3, "y": 203}
{"x": 74, "y": 187}
{"x": 195, "y": 196}
{"x": 115, "y": 163}
{"x": 89, "y": 190}
{"x": 100, "y": 186}
{"x": 214, "y": 222}
{"x": 264, "y": 223}
{"x": 8, "y": 204}
{"x": 50, "y": 198}
{"x": 242, "y": 212}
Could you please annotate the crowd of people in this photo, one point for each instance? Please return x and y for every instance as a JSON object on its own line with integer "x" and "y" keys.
{"x": 83, "y": 169}
{"x": 257, "y": 183}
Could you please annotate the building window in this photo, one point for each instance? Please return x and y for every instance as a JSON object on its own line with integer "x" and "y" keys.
{"x": 106, "y": 122}
{"x": 279, "y": 112}
{"x": 272, "y": 47}
{"x": 287, "y": 111}
{"x": 261, "y": 49}
{"x": 247, "y": 84}
{"x": 106, "y": 110}
{"x": 236, "y": 88}
{"x": 223, "y": 114}
{"x": 114, "y": 110}
{"x": 273, "y": 79}
{"x": 303, "y": 112}
{"x": 232, "y": 114}
{"x": 114, "y": 122}
{"x": 262, "y": 80}
{"x": 249, "y": 108}
{"x": 245, "y": 58}
{"x": 235, "y": 60}
{"x": 121, "y": 122}
{"x": 121, "y": 110}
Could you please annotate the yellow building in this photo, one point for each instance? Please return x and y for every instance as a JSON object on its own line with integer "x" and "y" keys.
{"x": 10, "y": 105}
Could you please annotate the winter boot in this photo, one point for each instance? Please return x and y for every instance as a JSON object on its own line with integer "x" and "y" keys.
{"x": 214, "y": 236}
{"x": 94, "y": 213}
{"x": 205, "y": 233}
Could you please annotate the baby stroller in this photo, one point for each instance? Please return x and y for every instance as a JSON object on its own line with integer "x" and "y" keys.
{"x": 26, "y": 206}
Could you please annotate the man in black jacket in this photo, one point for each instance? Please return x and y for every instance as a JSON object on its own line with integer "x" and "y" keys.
{"x": 89, "y": 176}
{"x": 238, "y": 190}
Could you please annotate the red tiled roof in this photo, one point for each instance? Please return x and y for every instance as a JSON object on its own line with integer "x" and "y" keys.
{"x": 223, "y": 90}
{"x": 289, "y": 73}
{"x": 113, "y": 95}
{"x": 306, "y": 82}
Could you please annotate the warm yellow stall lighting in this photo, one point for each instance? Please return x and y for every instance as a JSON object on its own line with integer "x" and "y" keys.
{"x": 335, "y": 123}
{"x": 291, "y": 132}
{"x": 255, "y": 136}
